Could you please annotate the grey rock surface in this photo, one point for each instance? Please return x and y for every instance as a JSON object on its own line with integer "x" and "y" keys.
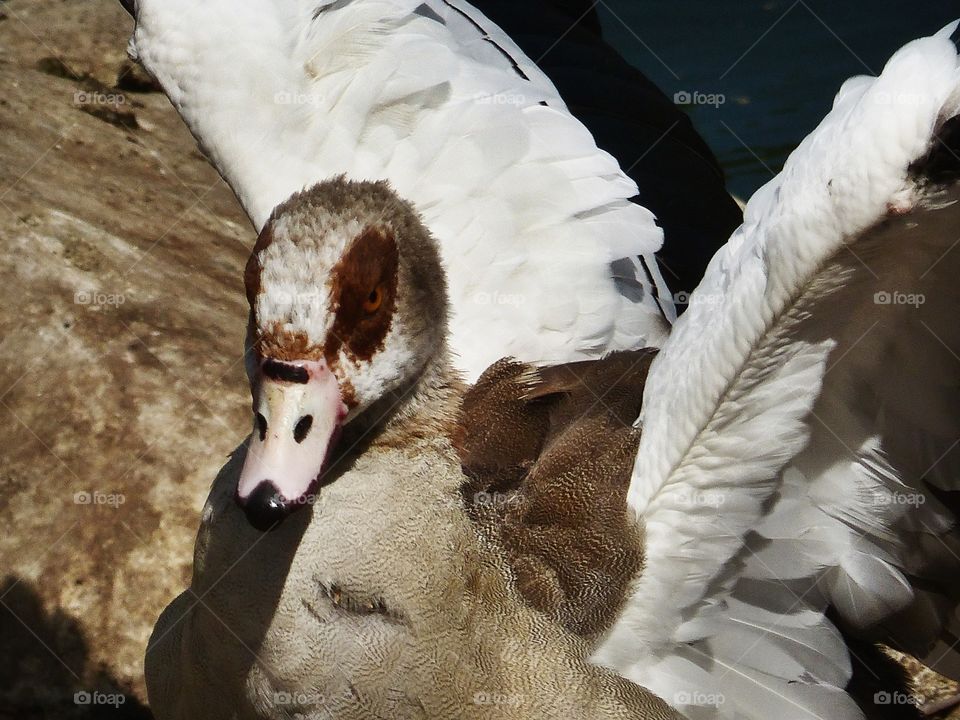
{"x": 122, "y": 387}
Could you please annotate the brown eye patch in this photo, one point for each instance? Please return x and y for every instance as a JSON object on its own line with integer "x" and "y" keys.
{"x": 364, "y": 283}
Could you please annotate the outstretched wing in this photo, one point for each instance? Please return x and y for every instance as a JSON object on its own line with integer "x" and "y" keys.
{"x": 542, "y": 246}
{"x": 800, "y": 427}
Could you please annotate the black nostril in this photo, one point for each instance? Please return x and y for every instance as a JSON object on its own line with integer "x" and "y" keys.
{"x": 265, "y": 508}
{"x": 302, "y": 428}
{"x": 262, "y": 426}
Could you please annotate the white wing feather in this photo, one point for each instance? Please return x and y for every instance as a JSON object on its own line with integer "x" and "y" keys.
{"x": 781, "y": 420}
{"x": 433, "y": 97}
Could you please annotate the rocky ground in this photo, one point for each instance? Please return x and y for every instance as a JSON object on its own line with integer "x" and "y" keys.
{"x": 121, "y": 376}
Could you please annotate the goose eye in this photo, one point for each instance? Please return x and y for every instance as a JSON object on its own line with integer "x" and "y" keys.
{"x": 374, "y": 300}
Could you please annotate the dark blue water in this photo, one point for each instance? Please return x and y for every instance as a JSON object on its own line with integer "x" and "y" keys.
{"x": 777, "y": 63}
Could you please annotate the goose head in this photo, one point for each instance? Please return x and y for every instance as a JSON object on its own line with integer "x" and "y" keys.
{"x": 347, "y": 313}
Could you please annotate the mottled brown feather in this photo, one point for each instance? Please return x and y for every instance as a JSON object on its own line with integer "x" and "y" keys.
{"x": 548, "y": 454}
{"x": 501, "y": 433}
{"x": 281, "y": 344}
{"x": 251, "y": 272}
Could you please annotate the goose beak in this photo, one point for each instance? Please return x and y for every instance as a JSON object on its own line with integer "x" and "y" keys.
{"x": 298, "y": 413}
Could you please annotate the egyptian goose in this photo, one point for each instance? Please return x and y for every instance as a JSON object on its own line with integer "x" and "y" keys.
{"x": 393, "y": 605}
{"x": 547, "y": 259}
{"x": 796, "y": 456}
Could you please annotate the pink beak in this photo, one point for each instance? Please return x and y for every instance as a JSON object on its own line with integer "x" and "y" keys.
{"x": 298, "y": 413}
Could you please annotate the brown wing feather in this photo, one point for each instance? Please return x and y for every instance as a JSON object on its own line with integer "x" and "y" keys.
{"x": 549, "y": 453}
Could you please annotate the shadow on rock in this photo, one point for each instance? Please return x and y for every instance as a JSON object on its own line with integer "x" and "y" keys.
{"x": 45, "y": 671}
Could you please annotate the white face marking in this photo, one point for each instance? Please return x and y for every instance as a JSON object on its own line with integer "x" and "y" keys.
{"x": 383, "y": 372}
{"x": 294, "y": 280}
